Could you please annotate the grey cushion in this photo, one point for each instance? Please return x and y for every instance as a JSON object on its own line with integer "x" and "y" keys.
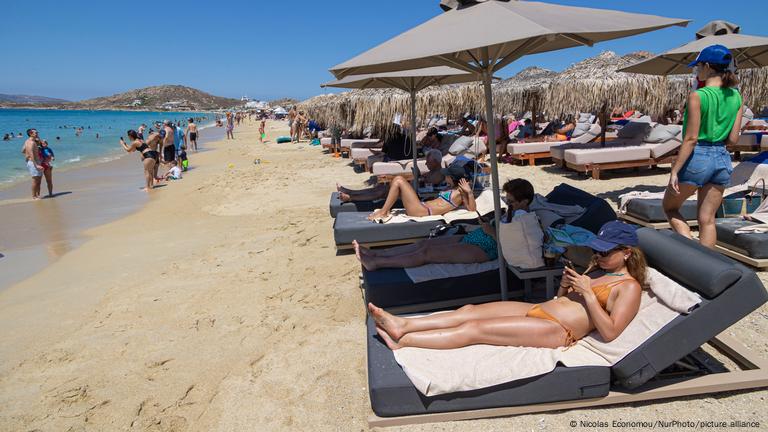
{"x": 356, "y": 226}
{"x": 581, "y": 129}
{"x": 461, "y": 144}
{"x": 755, "y": 245}
{"x": 661, "y": 133}
{"x": 652, "y": 210}
{"x": 688, "y": 263}
{"x": 584, "y": 117}
{"x": 635, "y": 131}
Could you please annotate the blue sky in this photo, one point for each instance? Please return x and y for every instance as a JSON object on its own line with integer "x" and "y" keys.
{"x": 266, "y": 49}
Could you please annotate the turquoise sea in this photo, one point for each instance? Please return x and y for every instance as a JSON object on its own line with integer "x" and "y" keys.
{"x": 59, "y": 126}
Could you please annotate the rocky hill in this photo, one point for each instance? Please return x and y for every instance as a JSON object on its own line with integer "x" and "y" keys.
{"x": 284, "y": 102}
{"x": 29, "y": 100}
{"x": 170, "y": 97}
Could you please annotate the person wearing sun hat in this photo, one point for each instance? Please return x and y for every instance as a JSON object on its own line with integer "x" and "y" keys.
{"x": 711, "y": 121}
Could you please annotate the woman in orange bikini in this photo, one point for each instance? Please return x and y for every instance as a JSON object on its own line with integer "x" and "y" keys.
{"x": 606, "y": 300}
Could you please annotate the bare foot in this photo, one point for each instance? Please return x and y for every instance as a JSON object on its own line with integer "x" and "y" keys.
{"x": 356, "y": 246}
{"x": 378, "y": 214}
{"x": 391, "y": 344}
{"x": 390, "y": 324}
{"x": 344, "y": 197}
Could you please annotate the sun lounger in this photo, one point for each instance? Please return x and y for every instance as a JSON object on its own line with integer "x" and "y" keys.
{"x": 347, "y": 144}
{"x": 749, "y": 141}
{"x": 531, "y": 151}
{"x": 729, "y": 292}
{"x": 326, "y": 143}
{"x": 625, "y": 153}
{"x": 650, "y": 213}
{"x": 361, "y": 156}
{"x": 336, "y": 206}
{"x": 401, "y": 229}
{"x": 398, "y": 292}
{"x": 749, "y": 248}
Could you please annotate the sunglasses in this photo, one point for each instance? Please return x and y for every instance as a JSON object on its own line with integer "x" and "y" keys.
{"x": 606, "y": 253}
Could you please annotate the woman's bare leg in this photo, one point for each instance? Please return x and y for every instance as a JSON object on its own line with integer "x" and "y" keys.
{"x": 401, "y": 250}
{"x": 457, "y": 253}
{"x": 672, "y": 203}
{"x": 505, "y": 331}
{"x": 710, "y": 197}
{"x": 149, "y": 172}
{"x": 401, "y": 189}
{"x": 371, "y": 194}
{"x": 397, "y": 326}
{"x": 48, "y": 173}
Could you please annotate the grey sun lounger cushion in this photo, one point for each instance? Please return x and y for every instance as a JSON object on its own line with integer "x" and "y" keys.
{"x": 393, "y": 394}
{"x": 755, "y": 245}
{"x": 651, "y": 210}
{"x": 356, "y": 226}
{"x": 390, "y": 287}
{"x": 336, "y": 206}
{"x": 730, "y": 290}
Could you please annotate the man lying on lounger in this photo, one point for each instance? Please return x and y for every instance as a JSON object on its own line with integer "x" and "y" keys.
{"x": 605, "y": 300}
{"x": 476, "y": 247}
{"x": 432, "y": 177}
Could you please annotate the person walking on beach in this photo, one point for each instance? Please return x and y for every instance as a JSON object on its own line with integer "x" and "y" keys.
{"x": 169, "y": 150}
{"x": 711, "y": 121}
{"x": 230, "y": 126}
{"x": 149, "y": 157}
{"x": 292, "y": 121}
{"x": 46, "y": 159}
{"x": 192, "y": 134}
{"x": 32, "y": 158}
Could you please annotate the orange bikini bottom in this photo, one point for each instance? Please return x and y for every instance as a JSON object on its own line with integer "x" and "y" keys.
{"x": 537, "y": 312}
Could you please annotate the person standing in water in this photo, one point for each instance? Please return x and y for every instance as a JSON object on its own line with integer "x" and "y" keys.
{"x": 46, "y": 159}
{"x": 149, "y": 157}
{"x": 31, "y": 153}
{"x": 230, "y": 126}
{"x": 192, "y": 134}
{"x": 711, "y": 121}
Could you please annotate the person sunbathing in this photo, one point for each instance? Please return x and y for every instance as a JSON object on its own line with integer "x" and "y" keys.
{"x": 460, "y": 194}
{"x": 476, "y": 247}
{"x": 555, "y": 131}
{"x": 606, "y": 300}
{"x": 434, "y": 177}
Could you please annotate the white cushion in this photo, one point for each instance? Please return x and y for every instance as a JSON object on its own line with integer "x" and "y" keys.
{"x": 361, "y": 153}
{"x": 348, "y": 142}
{"x": 460, "y": 144}
{"x": 607, "y": 154}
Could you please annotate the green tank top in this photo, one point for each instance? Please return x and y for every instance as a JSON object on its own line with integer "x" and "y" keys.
{"x": 719, "y": 107}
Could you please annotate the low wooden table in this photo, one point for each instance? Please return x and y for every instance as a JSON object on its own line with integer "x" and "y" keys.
{"x": 546, "y": 272}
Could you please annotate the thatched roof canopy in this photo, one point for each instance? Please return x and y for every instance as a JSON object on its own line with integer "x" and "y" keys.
{"x": 523, "y": 91}
{"x": 588, "y": 84}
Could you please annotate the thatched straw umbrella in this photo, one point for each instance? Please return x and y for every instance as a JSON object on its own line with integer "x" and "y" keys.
{"x": 524, "y": 91}
{"x": 593, "y": 83}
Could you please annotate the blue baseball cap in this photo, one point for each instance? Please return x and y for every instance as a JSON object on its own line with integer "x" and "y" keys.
{"x": 612, "y": 234}
{"x": 713, "y": 54}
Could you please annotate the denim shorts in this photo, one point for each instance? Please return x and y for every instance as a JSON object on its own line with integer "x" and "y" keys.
{"x": 710, "y": 163}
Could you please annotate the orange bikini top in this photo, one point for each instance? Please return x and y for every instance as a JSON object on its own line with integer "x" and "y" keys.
{"x": 602, "y": 292}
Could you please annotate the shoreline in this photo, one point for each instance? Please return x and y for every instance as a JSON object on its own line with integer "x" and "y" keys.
{"x": 38, "y": 233}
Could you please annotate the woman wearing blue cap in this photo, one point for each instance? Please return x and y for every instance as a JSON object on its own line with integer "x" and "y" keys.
{"x": 605, "y": 300}
{"x": 710, "y": 123}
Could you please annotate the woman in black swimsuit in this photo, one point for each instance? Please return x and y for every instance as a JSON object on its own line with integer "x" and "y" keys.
{"x": 149, "y": 157}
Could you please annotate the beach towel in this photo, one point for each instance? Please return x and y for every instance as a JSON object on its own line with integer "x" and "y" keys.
{"x": 430, "y": 272}
{"x": 435, "y": 372}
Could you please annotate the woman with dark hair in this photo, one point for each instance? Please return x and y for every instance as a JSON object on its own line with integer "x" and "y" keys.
{"x": 711, "y": 121}
{"x": 606, "y": 299}
{"x": 149, "y": 157}
{"x": 460, "y": 194}
{"x": 476, "y": 247}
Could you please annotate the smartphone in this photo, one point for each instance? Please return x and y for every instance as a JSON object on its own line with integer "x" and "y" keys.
{"x": 568, "y": 263}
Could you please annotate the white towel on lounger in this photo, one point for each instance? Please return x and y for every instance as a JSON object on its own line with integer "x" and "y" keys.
{"x": 483, "y": 202}
{"x": 435, "y": 372}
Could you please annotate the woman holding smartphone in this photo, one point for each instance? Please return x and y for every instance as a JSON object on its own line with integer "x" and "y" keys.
{"x": 149, "y": 157}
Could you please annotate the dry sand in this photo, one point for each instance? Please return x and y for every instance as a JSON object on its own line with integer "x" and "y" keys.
{"x": 221, "y": 306}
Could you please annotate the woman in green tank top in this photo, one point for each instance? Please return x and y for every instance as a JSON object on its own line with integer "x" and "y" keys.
{"x": 703, "y": 163}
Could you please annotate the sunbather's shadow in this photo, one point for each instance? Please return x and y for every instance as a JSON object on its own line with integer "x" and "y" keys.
{"x": 614, "y": 195}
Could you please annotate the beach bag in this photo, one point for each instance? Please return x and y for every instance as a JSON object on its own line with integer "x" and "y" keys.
{"x": 522, "y": 240}
{"x": 740, "y": 206}
{"x": 283, "y": 139}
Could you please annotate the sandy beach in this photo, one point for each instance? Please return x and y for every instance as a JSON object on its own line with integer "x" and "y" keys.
{"x": 221, "y": 305}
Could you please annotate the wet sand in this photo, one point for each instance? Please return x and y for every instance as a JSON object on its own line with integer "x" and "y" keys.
{"x": 35, "y": 233}
{"x": 242, "y": 317}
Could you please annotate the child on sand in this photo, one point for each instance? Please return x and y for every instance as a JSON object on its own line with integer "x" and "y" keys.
{"x": 174, "y": 173}
{"x": 262, "y": 128}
